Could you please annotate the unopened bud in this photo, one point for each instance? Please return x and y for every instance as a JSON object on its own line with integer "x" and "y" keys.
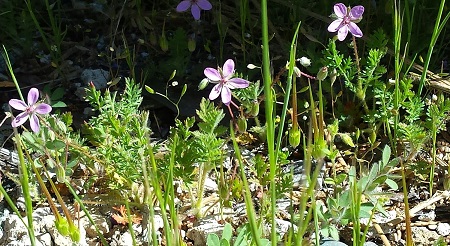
{"x": 163, "y": 43}
{"x": 254, "y": 109}
{"x": 242, "y": 124}
{"x": 74, "y": 233}
{"x": 297, "y": 72}
{"x": 60, "y": 174}
{"x": 202, "y": 85}
{"x": 305, "y": 61}
{"x": 191, "y": 44}
{"x": 251, "y": 66}
{"x": 333, "y": 75}
{"x": 62, "y": 225}
{"x": 294, "y": 136}
{"x": 152, "y": 38}
{"x": 323, "y": 73}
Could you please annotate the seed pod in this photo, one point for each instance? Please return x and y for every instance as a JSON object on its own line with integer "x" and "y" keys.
{"x": 254, "y": 110}
{"x": 294, "y": 136}
{"x": 202, "y": 85}
{"x": 242, "y": 124}
{"x": 323, "y": 73}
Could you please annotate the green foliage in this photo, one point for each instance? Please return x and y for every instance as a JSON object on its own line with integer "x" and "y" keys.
{"x": 214, "y": 240}
{"x": 120, "y": 131}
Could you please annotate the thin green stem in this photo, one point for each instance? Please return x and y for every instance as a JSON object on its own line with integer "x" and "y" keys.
{"x": 438, "y": 26}
{"x": 269, "y": 105}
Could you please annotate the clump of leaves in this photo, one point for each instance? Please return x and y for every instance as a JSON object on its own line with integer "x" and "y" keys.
{"x": 119, "y": 132}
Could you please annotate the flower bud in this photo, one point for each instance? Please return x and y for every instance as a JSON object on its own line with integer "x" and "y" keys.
{"x": 294, "y": 136}
{"x": 305, "y": 61}
{"x": 163, "y": 43}
{"x": 333, "y": 75}
{"x": 323, "y": 73}
{"x": 74, "y": 233}
{"x": 62, "y": 225}
{"x": 60, "y": 174}
{"x": 191, "y": 44}
{"x": 251, "y": 66}
{"x": 242, "y": 124}
{"x": 254, "y": 109}
{"x": 297, "y": 72}
{"x": 202, "y": 85}
{"x": 152, "y": 38}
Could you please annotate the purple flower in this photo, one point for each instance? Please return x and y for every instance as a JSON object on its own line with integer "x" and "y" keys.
{"x": 224, "y": 81}
{"x": 29, "y": 110}
{"x": 195, "y": 6}
{"x": 346, "y": 21}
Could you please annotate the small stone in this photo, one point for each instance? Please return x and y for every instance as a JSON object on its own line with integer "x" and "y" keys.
{"x": 206, "y": 226}
{"x": 443, "y": 229}
{"x": 211, "y": 185}
{"x": 432, "y": 227}
{"x": 99, "y": 77}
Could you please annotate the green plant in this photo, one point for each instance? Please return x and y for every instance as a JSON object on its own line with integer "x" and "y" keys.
{"x": 225, "y": 240}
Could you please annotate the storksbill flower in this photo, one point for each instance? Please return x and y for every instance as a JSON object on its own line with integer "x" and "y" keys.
{"x": 30, "y": 110}
{"x": 225, "y": 83}
{"x": 346, "y": 21}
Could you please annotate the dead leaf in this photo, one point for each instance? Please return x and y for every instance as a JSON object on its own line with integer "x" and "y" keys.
{"x": 122, "y": 217}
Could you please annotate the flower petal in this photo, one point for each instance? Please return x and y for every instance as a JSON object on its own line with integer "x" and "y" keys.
{"x": 237, "y": 83}
{"x": 19, "y": 119}
{"x": 43, "y": 108}
{"x": 356, "y": 12}
{"x": 212, "y": 74}
{"x": 340, "y": 10}
{"x": 195, "y": 10}
{"x": 204, "y": 4}
{"x": 18, "y": 104}
{"x": 334, "y": 26}
{"x": 226, "y": 95}
{"x": 354, "y": 29}
{"x": 34, "y": 123}
{"x": 33, "y": 96}
{"x": 183, "y": 6}
{"x": 228, "y": 69}
{"x": 342, "y": 33}
{"x": 215, "y": 92}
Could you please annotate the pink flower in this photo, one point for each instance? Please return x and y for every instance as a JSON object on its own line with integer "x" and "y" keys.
{"x": 195, "y": 6}
{"x": 346, "y": 21}
{"x": 225, "y": 82}
{"x": 29, "y": 110}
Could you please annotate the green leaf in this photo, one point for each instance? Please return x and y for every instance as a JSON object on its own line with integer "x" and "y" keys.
{"x": 59, "y": 104}
{"x": 227, "y": 232}
{"x": 386, "y": 155}
{"x": 57, "y": 94}
{"x": 213, "y": 240}
{"x": 392, "y": 184}
{"x": 55, "y": 144}
{"x": 224, "y": 242}
{"x": 347, "y": 139}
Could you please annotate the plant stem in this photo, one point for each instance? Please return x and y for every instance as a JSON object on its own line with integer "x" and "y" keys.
{"x": 269, "y": 105}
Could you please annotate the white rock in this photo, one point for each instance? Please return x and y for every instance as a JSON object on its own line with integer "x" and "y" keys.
{"x": 205, "y": 226}
{"x": 443, "y": 229}
{"x": 432, "y": 227}
{"x": 101, "y": 223}
{"x": 211, "y": 185}
{"x": 126, "y": 239}
{"x": 99, "y": 77}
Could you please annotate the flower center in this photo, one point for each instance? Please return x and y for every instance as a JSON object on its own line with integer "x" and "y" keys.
{"x": 346, "y": 20}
